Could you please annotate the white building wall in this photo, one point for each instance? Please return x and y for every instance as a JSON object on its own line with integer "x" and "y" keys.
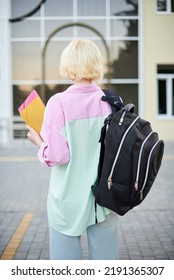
{"x": 5, "y": 73}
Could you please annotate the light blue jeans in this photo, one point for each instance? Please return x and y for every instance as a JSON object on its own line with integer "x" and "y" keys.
{"x": 102, "y": 242}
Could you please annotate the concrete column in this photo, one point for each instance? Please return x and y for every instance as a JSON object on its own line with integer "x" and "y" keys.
{"x": 6, "y": 111}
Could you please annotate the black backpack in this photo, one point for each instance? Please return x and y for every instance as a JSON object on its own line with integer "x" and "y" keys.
{"x": 130, "y": 157}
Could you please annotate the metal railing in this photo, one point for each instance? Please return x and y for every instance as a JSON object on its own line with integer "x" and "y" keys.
{"x": 12, "y": 130}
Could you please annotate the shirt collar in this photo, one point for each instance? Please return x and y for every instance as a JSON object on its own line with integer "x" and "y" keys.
{"x": 82, "y": 88}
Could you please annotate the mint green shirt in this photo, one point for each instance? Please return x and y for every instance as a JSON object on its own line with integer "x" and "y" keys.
{"x": 71, "y": 132}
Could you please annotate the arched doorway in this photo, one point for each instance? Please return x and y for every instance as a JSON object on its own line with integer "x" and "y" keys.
{"x": 58, "y": 30}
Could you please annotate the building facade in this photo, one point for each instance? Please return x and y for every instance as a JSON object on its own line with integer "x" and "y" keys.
{"x": 158, "y": 66}
{"x": 137, "y": 34}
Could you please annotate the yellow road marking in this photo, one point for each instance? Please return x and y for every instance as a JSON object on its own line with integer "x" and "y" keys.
{"x": 17, "y": 237}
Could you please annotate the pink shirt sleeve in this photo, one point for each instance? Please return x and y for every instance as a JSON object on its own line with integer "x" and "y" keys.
{"x": 54, "y": 150}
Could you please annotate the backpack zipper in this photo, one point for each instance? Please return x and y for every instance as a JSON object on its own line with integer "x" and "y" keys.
{"x": 118, "y": 152}
{"x": 147, "y": 170}
{"x": 139, "y": 161}
{"x": 122, "y": 117}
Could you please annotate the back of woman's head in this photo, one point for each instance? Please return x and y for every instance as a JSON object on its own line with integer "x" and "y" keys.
{"x": 81, "y": 59}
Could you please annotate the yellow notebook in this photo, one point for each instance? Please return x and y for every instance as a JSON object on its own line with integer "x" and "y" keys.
{"x": 32, "y": 111}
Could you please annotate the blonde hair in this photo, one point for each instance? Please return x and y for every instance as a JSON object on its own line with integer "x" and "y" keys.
{"x": 81, "y": 59}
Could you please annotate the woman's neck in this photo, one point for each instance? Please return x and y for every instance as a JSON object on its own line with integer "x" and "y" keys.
{"x": 82, "y": 82}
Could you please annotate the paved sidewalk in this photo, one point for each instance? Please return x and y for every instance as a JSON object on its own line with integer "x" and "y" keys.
{"x": 147, "y": 232}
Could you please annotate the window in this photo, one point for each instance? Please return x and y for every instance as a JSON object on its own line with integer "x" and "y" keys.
{"x": 166, "y": 91}
{"x": 117, "y": 21}
{"x": 91, "y": 8}
{"x": 165, "y": 6}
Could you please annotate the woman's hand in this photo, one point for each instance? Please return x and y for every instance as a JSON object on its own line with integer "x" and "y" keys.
{"x": 34, "y": 136}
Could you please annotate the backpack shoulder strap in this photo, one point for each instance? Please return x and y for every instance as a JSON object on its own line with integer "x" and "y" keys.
{"x": 113, "y": 99}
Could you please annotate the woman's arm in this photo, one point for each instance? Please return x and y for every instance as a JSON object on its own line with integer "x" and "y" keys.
{"x": 34, "y": 136}
{"x": 52, "y": 143}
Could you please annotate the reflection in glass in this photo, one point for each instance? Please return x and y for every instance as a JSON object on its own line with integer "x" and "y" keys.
{"x": 129, "y": 94}
{"x": 124, "y": 7}
{"x": 162, "y": 97}
{"x": 50, "y": 26}
{"x": 172, "y": 6}
{"x": 26, "y": 60}
{"x": 100, "y": 25}
{"x": 52, "y": 89}
{"x": 103, "y": 50}
{"x": 91, "y": 7}
{"x": 26, "y": 28}
{"x": 161, "y": 5}
{"x": 21, "y": 7}
{"x": 52, "y": 59}
{"x": 27, "y": 55}
{"x": 20, "y": 93}
{"x": 124, "y": 27}
{"x": 165, "y": 68}
{"x": 124, "y": 59}
{"x": 59, "y": 8}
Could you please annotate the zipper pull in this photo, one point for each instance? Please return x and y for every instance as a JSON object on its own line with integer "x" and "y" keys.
{"x": 109, "y": 183}
{"x": 122, "y": 118}
{"x": 136, "y": 186}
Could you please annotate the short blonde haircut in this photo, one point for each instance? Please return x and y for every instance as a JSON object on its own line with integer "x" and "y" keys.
{"x": 81, "y": 59}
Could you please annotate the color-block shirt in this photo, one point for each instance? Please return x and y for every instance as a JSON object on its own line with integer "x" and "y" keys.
{"x": 71, "y": 132}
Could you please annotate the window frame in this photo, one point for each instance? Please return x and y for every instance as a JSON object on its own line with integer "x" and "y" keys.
{"x": 168, "y": 78}
{"x": 43, "y": 18}
{"x": 168, "y": 8}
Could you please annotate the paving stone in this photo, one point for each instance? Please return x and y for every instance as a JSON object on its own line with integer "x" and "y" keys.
{"x": 24, "y": 248}
{"x": 44, "y": 255}
{"x": 20, "y": 255}
{"x": 146, "y": 232}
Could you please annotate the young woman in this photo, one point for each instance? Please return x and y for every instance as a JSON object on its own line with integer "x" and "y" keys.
{"x": 68, "y": 143}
